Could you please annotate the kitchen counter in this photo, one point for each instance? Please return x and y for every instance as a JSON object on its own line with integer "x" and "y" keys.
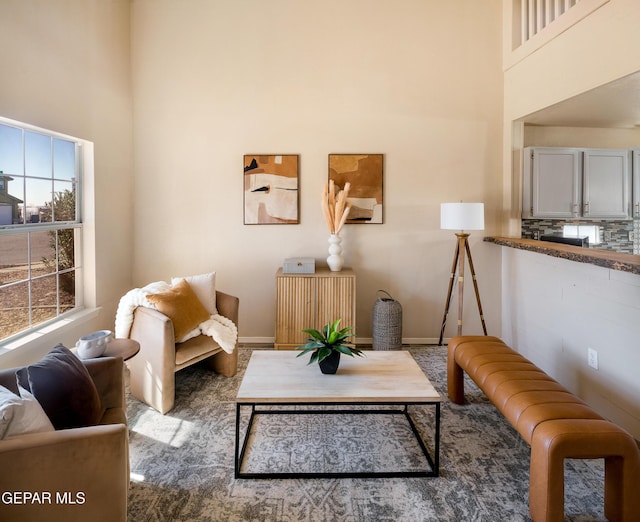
{"x": 603, "y": 258}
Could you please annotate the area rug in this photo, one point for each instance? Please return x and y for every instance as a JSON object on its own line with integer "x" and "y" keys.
{"x": 182, "y": 463}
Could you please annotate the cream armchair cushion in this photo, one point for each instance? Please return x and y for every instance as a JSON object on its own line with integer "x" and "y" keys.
{"x": 152, "y": 370}
{"x": 85, "y": 470}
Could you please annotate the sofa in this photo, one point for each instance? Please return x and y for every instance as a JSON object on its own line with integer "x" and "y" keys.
{"x": 554, "y": 422}
{"x": 79, "y": 473}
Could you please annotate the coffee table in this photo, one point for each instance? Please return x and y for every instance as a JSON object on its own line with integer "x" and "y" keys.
{"x": 381, "y": 378}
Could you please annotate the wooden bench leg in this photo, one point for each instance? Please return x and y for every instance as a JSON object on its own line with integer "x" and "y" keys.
{"x": 555, "y": 440}
{"x": 455, "y": 381}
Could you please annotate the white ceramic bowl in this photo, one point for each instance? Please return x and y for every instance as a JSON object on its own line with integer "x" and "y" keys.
{"x": 94, "y": 344}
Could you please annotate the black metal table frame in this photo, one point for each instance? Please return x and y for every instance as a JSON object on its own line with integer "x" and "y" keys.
{"x": 434, "y": 462}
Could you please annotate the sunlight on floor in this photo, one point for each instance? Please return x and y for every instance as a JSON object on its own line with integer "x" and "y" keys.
{"x": 163, "y": 428}
{"x": 136, "y": 477}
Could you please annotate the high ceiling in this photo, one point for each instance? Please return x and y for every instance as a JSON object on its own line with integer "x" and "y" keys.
{"x": 616, "y": 104}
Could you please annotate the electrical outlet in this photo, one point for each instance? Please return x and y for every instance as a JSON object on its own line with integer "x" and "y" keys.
{"x": 592, "y": 358}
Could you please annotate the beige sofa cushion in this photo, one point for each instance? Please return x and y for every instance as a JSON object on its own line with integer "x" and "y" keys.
{"x": 194, "y": 349}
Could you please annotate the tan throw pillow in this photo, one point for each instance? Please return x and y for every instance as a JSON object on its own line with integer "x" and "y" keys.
{"x": 182, "y": 306}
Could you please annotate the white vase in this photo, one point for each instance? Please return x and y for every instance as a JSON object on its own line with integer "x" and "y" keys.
{"x": 335, "y": 260}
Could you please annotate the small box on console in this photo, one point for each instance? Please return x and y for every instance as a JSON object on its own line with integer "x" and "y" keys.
{"x": 299, "y": 265}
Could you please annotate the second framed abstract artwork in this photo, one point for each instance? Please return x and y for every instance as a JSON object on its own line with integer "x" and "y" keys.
{"x": 271, "y": 189}
{"x": 364, "y": 173}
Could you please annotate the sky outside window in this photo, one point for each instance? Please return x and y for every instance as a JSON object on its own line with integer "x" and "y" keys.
{"x": 43, "y": 166}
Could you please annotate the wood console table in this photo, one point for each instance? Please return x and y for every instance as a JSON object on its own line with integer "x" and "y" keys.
{"x": 311, "y": 301}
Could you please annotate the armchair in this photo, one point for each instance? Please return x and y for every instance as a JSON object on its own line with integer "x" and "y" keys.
{"x": 152, "y": 370}
{"x": 79, "y": 473}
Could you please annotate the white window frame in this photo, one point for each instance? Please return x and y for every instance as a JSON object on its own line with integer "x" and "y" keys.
{"x": 82, "y": 237}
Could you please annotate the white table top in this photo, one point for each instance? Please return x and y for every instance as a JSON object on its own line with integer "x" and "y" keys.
{"x": 379, "y": 376}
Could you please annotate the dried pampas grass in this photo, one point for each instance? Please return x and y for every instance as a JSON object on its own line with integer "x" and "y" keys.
{"x": 335, "y": 207}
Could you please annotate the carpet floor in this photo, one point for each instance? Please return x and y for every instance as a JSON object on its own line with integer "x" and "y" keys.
{"x": 182, "y": 465}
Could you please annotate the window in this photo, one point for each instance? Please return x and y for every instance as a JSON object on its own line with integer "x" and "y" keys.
{"x": 40, "y": 227}
{"x": 592, "y": 231}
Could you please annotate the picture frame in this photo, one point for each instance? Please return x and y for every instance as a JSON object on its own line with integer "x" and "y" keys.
{"x": 271, "y": 195}
{"x": 364, "y": 172}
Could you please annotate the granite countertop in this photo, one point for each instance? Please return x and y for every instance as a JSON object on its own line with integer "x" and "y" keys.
{"x": 603, "y": 258}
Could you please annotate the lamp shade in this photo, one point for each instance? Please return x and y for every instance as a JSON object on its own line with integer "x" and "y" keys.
{"x": 462, "y": 216}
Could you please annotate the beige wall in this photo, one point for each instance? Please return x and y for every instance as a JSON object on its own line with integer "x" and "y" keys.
{"x": 419, "y": 81}
{"x": 66, "y": 68}
{"x": 553, "y": 310}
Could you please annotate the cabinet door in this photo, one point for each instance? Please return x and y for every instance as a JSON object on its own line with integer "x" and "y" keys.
{"x": 295, "y": 310}
{"x": 606, "y": 184}
{"x": 336, "y": 298}
{"x": 311, "y": 301}
{"x": 555, "y": 177}
{"x": 636, "y": 183}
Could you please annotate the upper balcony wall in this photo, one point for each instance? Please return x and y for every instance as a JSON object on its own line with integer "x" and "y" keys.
{"x": 548, "y": 60}
{"x": 533, "y": 23}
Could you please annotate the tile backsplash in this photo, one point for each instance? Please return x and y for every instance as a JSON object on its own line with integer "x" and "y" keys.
{"x": 619, "y": 236}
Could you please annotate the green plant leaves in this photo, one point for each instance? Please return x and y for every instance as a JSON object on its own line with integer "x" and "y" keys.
{"x": 321, "y": 344}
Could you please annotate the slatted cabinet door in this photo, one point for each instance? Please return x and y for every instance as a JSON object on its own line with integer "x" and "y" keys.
{"x": 310, "y": 301}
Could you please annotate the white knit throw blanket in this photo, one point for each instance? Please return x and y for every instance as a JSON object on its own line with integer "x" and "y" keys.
{"x": 221, "y": 329}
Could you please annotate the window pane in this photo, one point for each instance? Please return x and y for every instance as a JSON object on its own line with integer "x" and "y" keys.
{"x": 67, "y": 291}
{"x": 14, "y": 309}
{"x": 66, "y": 249}
{"x": 43, "y": 252}
{"x": 11, "y": 200}
{"x": 38, "y": 201}
{"x": 10, "y": 150}
{"x": 44, "y": 298}
{"x": 64, "y": 159}
{"x": 37, "y": 155}
{"x": 64, "y": 201}
{"x": 13, "y": 258}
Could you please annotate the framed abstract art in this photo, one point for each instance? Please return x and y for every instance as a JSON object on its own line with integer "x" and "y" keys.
{"x": 364, "y": 173}
{"x": 271, "y": 189}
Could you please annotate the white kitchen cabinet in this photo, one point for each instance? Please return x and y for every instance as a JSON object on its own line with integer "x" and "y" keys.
{"x": 552, "y": 182}
{"x": 572, "y": 183}
{"x": 606, "y": 184}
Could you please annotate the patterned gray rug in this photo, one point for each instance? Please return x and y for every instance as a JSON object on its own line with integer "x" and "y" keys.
{"x": 182, "y": 462}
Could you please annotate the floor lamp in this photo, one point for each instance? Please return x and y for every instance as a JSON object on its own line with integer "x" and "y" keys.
{"x": 461, "y": 216}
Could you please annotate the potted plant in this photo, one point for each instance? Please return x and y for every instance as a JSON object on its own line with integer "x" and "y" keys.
{"x": 327, "y": 346}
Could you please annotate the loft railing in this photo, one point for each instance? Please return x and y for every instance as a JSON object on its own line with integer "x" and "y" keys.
{"x": 535, "y": 15}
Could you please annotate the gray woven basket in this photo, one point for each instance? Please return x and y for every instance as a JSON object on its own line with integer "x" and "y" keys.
{"x": 387, "y": 323}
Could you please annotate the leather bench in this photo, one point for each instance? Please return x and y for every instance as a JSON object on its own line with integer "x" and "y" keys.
{"x": 554, "y": 422}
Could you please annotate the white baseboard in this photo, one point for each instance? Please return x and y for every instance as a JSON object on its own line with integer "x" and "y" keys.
{"x": 359, "y": 340}
{"x": 255, "y": 340}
